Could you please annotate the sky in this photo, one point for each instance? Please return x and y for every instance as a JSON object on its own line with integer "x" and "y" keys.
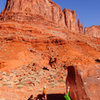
{"x": 88, "y": 11}
{"x": 2, "y": 4}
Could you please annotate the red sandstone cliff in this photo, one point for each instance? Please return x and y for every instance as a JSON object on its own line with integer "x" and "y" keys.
{"x": 70, "y": 19}
{"x": 93, "y": 31}
{"x": 46, "y": 9}
{"x": 37, "y": 43}
{"x": 80, "y": 26}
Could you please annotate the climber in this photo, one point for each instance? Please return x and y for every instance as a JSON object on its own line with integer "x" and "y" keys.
{"x": 31, "y": 97}
{"x": 44, "y": 93}
{"x": 67, "y": 97}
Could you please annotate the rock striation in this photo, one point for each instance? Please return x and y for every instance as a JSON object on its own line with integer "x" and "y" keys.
{"x": 93, "y": 31}
{"x": 46, "y": 9}
{"x": 70, "y": 19}
{"x": 38, "y": 41}
{"x": 80, "y": 26}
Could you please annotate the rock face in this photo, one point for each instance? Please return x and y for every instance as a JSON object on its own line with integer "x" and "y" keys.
{"x": 37, "y": 42}
{"x": 93, "y": 31}
{"x": 70, "y": 19}
{"x": 75, "y": 82}
{"x": 80, "y": 26}
{"x": 46, "y": 9}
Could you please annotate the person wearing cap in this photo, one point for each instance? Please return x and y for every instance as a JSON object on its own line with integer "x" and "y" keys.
{"x": 44, "y": 93}
{"x": 67, "y": 97}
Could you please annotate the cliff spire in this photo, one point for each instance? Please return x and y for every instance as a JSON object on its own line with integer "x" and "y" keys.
{"x": 46, "y": 9}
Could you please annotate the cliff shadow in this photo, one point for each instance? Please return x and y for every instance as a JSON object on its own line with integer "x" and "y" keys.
{"x": 52, "y": 97}
{"x": 74, "y": 80}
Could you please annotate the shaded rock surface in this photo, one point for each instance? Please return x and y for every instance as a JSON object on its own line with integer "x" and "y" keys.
{"x": 74, "y": 80}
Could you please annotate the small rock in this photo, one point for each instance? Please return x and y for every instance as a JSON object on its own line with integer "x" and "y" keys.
{"x": 3, "y": 73}
{"x": 52, "y": 85}
{"x": 37, "y": 81}
{"x": 10, "y": 86}
{"x": 16, "y": 81}
{"x": 30, "y": 88}
{"x": 13, "y": 71}
{"x": 51, "y": 81}
{"x": 59, "y": 81}
{"x": 11, "y": 74}
{"x": 98, "y": 78}
{"x": 1, "y": 85}
{"x": 20, "y": 86}
{"x": 85, "y": 83}
{"x": 32, "y": 85}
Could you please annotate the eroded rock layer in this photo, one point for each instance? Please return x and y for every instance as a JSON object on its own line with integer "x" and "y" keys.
{"x": 93, "y": 31}
{"x": 44, "y": 9}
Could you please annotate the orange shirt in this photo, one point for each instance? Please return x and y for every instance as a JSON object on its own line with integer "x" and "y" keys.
{"x": 44, "y": 92}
